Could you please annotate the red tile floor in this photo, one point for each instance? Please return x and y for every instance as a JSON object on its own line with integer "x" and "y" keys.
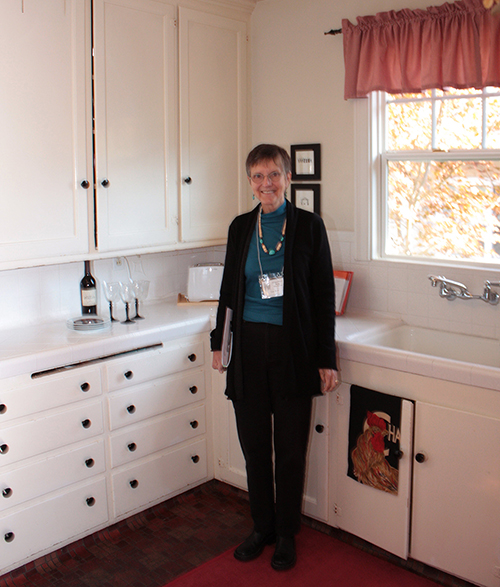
{"x": 153, "y": 547}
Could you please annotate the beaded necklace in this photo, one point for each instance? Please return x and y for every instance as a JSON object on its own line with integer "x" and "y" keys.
{"x": 279, "y": 244}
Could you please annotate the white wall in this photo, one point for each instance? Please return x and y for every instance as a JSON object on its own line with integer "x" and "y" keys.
{"x": 52, "y": 293}
{"x": 298, "y": 97}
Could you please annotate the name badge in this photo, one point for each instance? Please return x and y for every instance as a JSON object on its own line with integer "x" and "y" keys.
{"x": 271, "y": 285}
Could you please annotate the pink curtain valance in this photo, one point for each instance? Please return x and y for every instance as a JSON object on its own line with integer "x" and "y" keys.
{"x": 453, "y": 45}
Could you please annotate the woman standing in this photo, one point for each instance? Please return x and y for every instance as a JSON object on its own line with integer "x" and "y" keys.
{"x": 278, "y": 280}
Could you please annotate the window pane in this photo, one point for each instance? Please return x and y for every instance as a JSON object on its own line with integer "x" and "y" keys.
{"x": 409, "y": 126}
{"x": 493, "y": 123}
{"x": 444, "y": 209}
{"x": 459, "y": 123}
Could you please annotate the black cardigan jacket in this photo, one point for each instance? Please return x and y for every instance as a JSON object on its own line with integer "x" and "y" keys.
{"x": 308, "y": 302}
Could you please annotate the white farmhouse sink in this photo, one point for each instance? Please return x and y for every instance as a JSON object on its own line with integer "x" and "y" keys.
{"x": 436, "y": 343}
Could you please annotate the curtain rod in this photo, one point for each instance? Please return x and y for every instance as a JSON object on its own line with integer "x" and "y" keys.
{"x": 334, "y": 32}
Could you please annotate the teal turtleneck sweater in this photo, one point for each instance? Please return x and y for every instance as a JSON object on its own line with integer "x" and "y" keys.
{"x": 257, "y": 309}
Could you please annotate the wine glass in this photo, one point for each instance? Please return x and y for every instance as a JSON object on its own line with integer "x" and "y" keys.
{"x": 141, "y": 291}
{"x": 112, "y": 294}
{"x": 127, "y": 295}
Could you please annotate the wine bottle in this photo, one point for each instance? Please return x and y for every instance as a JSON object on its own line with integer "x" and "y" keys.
{"x": 88, "y": 292}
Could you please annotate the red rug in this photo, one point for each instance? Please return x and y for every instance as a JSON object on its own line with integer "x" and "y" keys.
{"x": 321, "y": 560}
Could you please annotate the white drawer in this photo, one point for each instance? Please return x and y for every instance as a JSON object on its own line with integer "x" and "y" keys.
{"x": 49, "y": 432}
{"x": 159, "y": 477}
{"x": 47, "y": 392}
{"x": 49, "y": 474}
{"x": 155, "y": 397}
{"x": 46, "y": 524}
{"x": 156, "y": 435}
{"x": 141, "y": 367}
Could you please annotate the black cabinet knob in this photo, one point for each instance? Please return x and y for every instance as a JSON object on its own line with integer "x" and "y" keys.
{"x": 90, "y": 501}
{"x": 131, "y": 409}
{"x": 420, "y": 457}
{"x": 85, "y": 184}
{"x": 134, "y": 484}
{"x": 193, "y": 389}
{"x": 193, "y": 424}
{"x": 105, "y": 183}
{"x": 192, "y": 357}
{"x": 7, "y": 492}
{"x": 128, "y": 374}
{"x": 132, "y": 446}
{"x": 3, "y": 408}
{"x": 85, "y": 386}
{"x": 86, "y": 423}
{"x": 4, "y": 449}
{"x": 399, "y": 454}
{"x": 187, "y": 180}
{"x": 9, "y": 537}
{"x": 319, "y": 428}
{"x": 195, "y": 459}
{"x": 89, "y": 463}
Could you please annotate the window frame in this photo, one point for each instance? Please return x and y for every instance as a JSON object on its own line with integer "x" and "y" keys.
{"x": 371, "y": 183}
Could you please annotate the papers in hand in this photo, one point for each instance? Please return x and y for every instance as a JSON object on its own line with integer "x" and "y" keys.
{"x": 227, "y": 338}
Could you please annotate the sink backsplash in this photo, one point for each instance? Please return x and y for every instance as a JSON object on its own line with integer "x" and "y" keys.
{"x": 397, "y": 290}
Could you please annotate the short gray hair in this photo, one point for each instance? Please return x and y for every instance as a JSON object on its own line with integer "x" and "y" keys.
{"x": 265, "y": 152}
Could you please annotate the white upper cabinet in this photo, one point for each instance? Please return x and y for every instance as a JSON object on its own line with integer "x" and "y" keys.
{"x": 135, "y": 124}
{"x": 213, "y": 80}
{"x": 45, "y": 139}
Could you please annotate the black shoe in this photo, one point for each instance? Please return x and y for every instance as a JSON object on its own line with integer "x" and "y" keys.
{"x": 284, "y": 557}
{"x": 253, "y": 546}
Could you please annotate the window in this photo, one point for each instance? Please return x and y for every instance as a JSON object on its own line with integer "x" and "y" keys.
{"x": 438, "y": 169}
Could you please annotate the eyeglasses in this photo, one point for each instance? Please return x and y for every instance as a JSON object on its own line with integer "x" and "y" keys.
{"x": 259, "y": 178}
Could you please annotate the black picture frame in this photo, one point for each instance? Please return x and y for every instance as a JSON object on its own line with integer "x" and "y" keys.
{"x": 306, "y": 162}
{"x": 306, "y": 196}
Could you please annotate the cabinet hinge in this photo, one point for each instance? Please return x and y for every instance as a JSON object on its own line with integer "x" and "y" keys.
{"x": 174, "y": 22}
{"x": 339, "y": 399}
{"x": 336, "y": 510}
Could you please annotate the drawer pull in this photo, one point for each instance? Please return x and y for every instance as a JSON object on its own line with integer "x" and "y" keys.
{"x": 7, "y": 492}
{"x": 134, "y": 484}
{"x": 132, "y": 446}
{"x": 195, "y": 459}
{"x": 193, "y": 389}
{"x": 86, "y": 423}
{"x": 131, "y": 409}
{"x": 4, "y": 449}
{"x": 193, "y": 424}
{"x": 89, "y": 463}
{"x": 420, "y": 457}
{"x": 9, "y": 537}
{"x": 85, "y": 386}
{"x": 192, "y": 357}
{"x": 128, "y": 374}
{"x": 90, "y": 501}
{"x": 3, "y": 408}
{"x": 319, "y": 428}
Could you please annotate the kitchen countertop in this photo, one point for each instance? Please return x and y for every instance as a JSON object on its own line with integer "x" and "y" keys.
{"x": 35, "y": 348}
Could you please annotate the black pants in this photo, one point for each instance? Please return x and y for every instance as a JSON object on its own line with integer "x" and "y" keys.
{"x": 266, "y": 415}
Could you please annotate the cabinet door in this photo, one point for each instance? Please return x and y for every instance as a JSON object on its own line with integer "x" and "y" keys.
{"x": 316, "y": 486}
{"x": 46, "y": 138}
{"x": 212, "y": 70}
{"x": 456, "y": 505}
{"x": 372, "y": 514}
{"x": 135, "y": 124}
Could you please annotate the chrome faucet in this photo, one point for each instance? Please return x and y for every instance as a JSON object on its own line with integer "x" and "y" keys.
{"x": 450, "y": 289}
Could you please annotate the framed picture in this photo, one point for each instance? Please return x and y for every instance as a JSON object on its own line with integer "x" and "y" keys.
{"x": 306, "y": 162}
{"x": 306, "y": 196}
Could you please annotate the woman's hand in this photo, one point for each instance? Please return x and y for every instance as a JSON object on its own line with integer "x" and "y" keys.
{"x": 329, "y": 380}
{"x": 217, "y": 361}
